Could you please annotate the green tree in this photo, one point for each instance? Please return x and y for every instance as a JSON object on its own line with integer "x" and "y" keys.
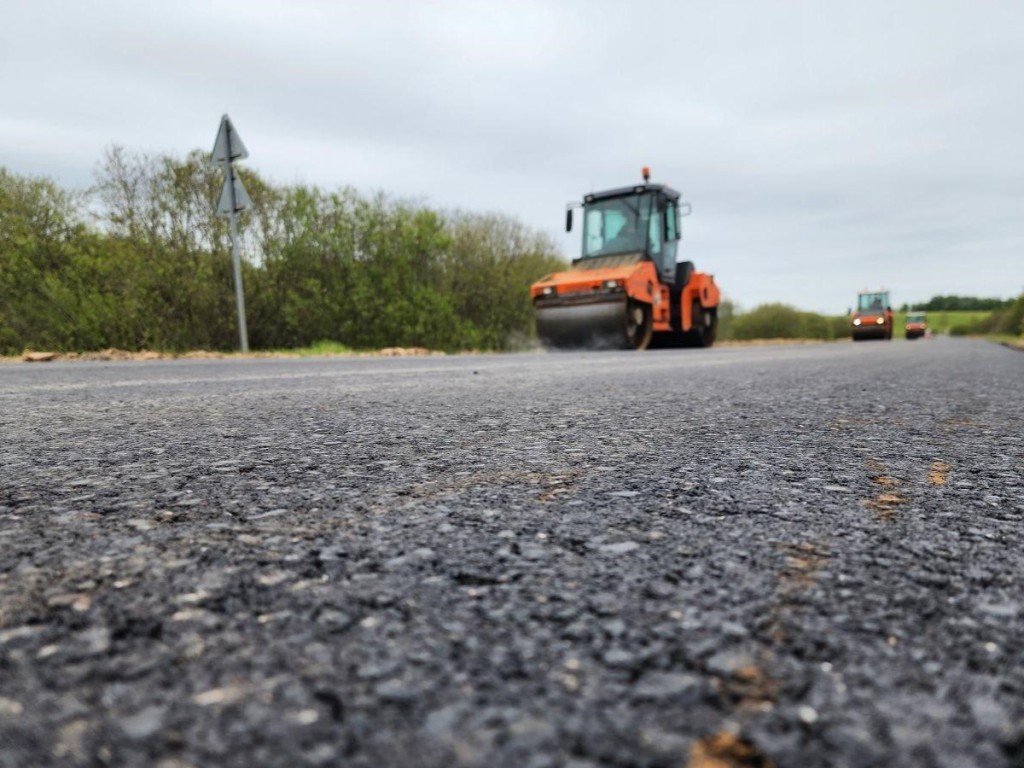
{"x": 488, "y": 270}
{"x": 155, "y": 270}
{"x": 954, "y": 303}
{"x": 41, "y": 231}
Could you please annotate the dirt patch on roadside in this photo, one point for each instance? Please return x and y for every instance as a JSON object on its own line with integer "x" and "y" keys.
{"x": 121, "y": 355}
{"x": 34, "y": 356}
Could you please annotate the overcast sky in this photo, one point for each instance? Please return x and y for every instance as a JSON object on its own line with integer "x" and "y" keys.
{"x": 825, "y": 146}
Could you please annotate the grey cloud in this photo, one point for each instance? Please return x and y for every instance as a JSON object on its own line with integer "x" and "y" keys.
{"x": 824, "y": 146}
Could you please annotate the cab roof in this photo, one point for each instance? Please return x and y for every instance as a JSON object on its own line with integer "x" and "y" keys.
{"x": 636, "y": 189}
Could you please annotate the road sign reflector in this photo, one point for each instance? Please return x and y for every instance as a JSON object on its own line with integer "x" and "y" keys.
{"x": 228, "y": 145}
{"x": 241, "y": 197}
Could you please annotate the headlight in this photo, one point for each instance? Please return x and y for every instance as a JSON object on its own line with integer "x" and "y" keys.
{"x": 611, "y": 283}
{"x": 880, "y": 321}
{"x": 548, "y": 290}
{"x": 856, "y": 321}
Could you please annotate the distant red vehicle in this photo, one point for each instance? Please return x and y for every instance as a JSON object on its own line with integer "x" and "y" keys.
{"x": 872, "y": 319}
{"x": 916, "y": 325}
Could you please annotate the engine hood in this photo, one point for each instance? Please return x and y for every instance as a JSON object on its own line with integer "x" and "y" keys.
{"x": 595, "y": 272}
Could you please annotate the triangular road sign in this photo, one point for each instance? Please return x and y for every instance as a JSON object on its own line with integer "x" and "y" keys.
{"x": 241, "y": 197}
{"x": 228, "y": 146}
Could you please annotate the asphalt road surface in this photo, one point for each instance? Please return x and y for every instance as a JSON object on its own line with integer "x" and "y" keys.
{"x": 781, "y": 556}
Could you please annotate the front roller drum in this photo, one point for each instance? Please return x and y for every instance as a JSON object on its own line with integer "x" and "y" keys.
{"x": 619, "y": 324}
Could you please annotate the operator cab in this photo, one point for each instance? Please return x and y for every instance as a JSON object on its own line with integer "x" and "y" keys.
{"x": 873, "y": 303}
{"x": 640, "y": 222}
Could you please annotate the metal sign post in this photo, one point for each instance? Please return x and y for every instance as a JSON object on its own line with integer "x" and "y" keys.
{"x": 227, "y": 148}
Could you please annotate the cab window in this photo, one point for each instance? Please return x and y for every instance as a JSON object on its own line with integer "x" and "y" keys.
{"x": 654, "y": 231}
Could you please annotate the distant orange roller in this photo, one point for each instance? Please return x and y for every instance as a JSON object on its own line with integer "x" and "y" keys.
{"x": 872, "y": 319}
{"x": 627, "y": 290}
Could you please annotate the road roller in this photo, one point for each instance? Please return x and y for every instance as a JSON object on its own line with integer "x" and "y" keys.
{"x": 916, "y": 325}
{"x": 873, "y": 318}
{"x": 627, "y": 290}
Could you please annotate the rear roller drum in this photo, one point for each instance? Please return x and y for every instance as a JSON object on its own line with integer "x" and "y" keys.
{"x": 704, "y": 325}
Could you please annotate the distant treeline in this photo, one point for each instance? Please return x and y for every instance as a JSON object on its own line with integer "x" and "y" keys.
{"x": 958, "y": 304}
{"x": 141, "y": 261}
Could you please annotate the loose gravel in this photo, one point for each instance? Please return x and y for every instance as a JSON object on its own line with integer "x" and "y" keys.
{"x": 792, "y": 556}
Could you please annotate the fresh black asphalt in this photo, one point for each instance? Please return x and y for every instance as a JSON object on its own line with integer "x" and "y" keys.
{"x": 766, "y": 556}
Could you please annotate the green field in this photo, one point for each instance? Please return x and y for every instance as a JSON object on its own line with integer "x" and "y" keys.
{"x": 942, "y": 321}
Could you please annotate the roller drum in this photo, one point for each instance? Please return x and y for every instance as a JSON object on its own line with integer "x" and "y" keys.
{"x": 595, "y": 325}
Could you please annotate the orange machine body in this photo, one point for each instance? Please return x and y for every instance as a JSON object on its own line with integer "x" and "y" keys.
{"x": 638, "y": 282}
{"x": 639, "y": 290}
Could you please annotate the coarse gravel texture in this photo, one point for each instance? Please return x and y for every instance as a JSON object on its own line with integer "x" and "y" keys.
{"x": 789, "y": 556}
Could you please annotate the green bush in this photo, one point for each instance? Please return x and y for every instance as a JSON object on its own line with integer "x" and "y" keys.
{"x": 840, "y": 326}
{"x": 1012, "y": 318}
{"x": 766, "y": 322}
{"x": 726, "y": 315}
{"x": 781, "y": 321}
{"x": 362, "y": 271}
{"x": 1007, "y": 321}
